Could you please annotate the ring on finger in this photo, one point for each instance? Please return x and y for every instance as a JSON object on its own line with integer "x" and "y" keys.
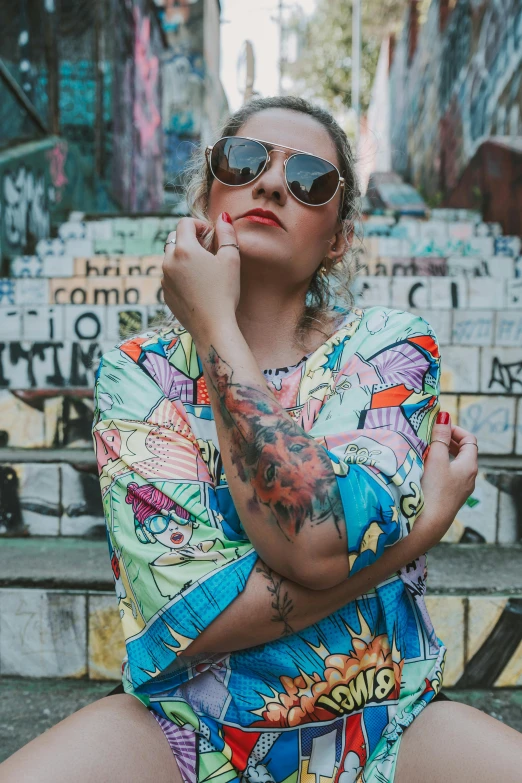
{"x": 171, "y": 241}
{"x": 228, "y": 244}
{"x": 438, "y": 440}
{"x": 469, "y": 443}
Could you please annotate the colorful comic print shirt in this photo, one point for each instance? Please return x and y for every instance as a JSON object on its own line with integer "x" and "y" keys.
{"x": 327, "y": 704}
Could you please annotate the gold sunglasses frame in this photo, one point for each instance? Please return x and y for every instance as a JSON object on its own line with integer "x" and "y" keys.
{"x": 275, "y": 148}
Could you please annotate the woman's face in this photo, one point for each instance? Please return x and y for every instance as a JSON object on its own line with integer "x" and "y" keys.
{"x": 175, "y": 535}
{"x": 296, "y": 249}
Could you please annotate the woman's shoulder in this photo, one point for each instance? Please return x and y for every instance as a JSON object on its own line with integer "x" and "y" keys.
{"x": 132, "y": 377}
{"x": 392, "y": 326}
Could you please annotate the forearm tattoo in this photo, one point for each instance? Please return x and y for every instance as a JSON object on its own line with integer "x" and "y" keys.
{"x": 289, "y": 472}
{"x": 281, "y": 601}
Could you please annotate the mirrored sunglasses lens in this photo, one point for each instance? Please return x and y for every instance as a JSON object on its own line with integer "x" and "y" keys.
{"x": 311, "y": 180}
{"x": 237, "y": 161}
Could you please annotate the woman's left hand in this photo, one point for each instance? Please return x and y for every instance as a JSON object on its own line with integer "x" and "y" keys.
{"x": 201, "y": 289}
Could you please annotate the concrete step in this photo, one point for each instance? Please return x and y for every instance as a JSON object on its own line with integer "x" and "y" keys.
{"x": 50, "y": 701}
{"x": 55, "y": 491}
{"x": 59, "y": 616}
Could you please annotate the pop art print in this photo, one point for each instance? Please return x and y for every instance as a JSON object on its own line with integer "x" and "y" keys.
{"x": 325, "y": 705}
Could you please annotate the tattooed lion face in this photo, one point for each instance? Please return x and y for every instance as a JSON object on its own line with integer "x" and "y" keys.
{"x": 290, "y": 477}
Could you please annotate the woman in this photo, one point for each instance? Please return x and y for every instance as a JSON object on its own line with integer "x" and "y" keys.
{"x": 303, "y": 646}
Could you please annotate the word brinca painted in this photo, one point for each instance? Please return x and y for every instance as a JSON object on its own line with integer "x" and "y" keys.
{"x": 370, "y": 685}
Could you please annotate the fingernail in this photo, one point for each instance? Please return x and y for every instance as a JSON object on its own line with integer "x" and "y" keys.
{"x": 226, "y": 217}
{"x": 443, "y": 418}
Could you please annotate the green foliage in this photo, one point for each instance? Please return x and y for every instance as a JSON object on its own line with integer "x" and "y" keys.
{"x": 322, "y": 71}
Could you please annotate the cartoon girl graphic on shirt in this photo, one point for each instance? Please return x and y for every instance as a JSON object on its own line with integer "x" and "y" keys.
{"x": 157, "y": 518}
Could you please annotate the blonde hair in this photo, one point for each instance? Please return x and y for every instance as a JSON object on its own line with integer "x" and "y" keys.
{"x": 325, "y": 290}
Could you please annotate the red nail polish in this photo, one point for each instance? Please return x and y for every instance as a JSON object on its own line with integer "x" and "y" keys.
{"x": 443, "y": 418}
{"x": 226, "y": 217}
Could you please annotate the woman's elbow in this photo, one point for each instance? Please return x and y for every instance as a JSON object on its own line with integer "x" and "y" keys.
{"x": 321, "y": 575}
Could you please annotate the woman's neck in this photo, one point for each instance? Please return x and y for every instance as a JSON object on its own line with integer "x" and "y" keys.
{"x": 269, "y": 325}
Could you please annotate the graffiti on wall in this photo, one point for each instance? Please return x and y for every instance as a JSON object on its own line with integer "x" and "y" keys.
{"x": 137, "y": 175}
{"x": 463, "y": 85}
{"x": 147, "y": 117}
{"x": 183, "y": 96}
{"x": 25, "y": 200}
{"x": 38, "y": 183}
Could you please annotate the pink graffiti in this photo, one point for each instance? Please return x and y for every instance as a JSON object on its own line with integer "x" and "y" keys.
{"x": 147, "y": 118}
{"x": 57, "y": 157}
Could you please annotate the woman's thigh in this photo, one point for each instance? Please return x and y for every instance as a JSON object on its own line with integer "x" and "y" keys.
{"x": 453, "y": 742}
{"x": 114, "y": 739}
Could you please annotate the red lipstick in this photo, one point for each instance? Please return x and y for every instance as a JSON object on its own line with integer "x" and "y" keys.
{"x": 263, "y": 216}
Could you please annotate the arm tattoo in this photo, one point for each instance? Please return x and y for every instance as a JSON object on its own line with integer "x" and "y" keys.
{"x": 288, "y": 471}
{"x": 281, "y": 601}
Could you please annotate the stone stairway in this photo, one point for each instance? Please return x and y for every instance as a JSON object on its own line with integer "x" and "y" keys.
{"x": 98, "y": 281}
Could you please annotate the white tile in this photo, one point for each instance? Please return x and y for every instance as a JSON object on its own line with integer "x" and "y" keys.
{"x": 435, "y": 230}
{"x": 501, "y": 371}
{"x": 408, "y": 293}
{"x": 488, "y": 230}
{"x": 508, "y": 329}
{"x": 447, "y": 293}
{"x": 480, "y": 246}
{"x": 99, "y": 229}
{"x": 8, "y": 291}
{"x": 85, "y": 322}
{"x": 50, "y": 247}
{"x": 78, "y": 247}
{"x": 480, "y": 510}
{"x": 472, "y": 327}
{"x": 31, "y": 291}
{"x": 390, "y": 246}
{"x": 26, "y": 266}
{"x": 42, "y": 323}
{"x": 486, "y": 293}
{"x": 10, "y": 323}
{"x": 508, "y": 245}
{"x": 460, "y": 369}
{"x": 514, "y": 294}
{"x": 57, "y": 266}
{"x": 499, "y": 267}
{"x": 462, "y": 230}
{"x": 42, "y": 633}
{"x": 491, "y": 419}
{"x": 76, "y": 229}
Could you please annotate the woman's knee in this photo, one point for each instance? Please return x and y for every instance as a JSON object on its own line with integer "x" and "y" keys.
{"x": 453, "y": 741}
{"x": 114, "y": 738}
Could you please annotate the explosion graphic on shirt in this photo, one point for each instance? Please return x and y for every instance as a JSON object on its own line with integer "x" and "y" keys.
{"x": 370, "y": 673}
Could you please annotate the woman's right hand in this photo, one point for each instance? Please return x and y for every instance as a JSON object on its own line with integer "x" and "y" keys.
{"x": 446, "y": 483}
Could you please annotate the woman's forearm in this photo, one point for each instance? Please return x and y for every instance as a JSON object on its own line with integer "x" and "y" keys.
{"x": 271, "y": 607}
{"x": 281, "y": 480}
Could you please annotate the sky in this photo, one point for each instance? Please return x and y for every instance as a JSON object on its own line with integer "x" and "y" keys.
{"x": 253, "y": 20}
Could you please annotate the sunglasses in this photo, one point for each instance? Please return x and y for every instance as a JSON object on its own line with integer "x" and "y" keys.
{"x": 158, "y": 523}
{"x": 238, "y": 160}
